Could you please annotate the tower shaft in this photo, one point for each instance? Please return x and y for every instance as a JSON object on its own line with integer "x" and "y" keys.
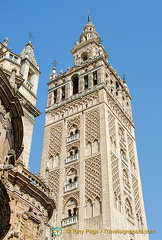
{"x": 89, "y": 155}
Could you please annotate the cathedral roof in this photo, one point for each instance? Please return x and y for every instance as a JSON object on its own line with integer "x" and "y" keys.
{"x": 28, "y": 53}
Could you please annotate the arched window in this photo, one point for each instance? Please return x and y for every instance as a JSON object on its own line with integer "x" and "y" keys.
{"x": 63, "y": 93}
{"x": 71, "y": 176}
{"x": 95, "y": 78}
{"x": 74, "y": 211}
{"x": 76, "y": 131}
{"x": 55, "y": 95}
{"x": 117, "y": 88}
{"x": 73, "y": 151}
{"x": 84, "y": 56}
{"x": 71, "y": 133}
{"x": 71, "y": 208}
{"x": 75, "y": 178}
{"x": 86, "y": 82}
{"x": 70, "y": 180}
{"x": 75, "y": 81}
{"x": 69, "y": 213}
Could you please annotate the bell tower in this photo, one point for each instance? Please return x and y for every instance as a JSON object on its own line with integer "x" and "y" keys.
{"x": 89, "y": 157}
{"x": 23, "y": 73}
{"x": 28, "y": 94}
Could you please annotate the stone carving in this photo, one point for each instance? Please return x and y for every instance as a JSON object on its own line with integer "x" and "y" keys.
{"x": 54, "y": 183}
{"x": 115, "y": 175}
{"x": 131, "y": 154}
{"x": 72, "y": 107}
{"x": 93, "y": 178}
{"x": 73, "y": 122}
{"x": 92, "y": 123}
{"x": 73, "y": 145}
{"x": 72, "y": 166}
{"x": 66, "y": 198}
{"x": 55, "y": 140}
{"x": 121, "y": 113}
{"x": 136, "y": 196}
{"x": 112, "y": 130}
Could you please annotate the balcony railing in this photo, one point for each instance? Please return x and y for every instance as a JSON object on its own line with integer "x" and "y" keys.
{"x": 69, "y": 221}
{"x": 72, "y": 138}
{"x": 71, "y": 186}
{"x": 72, "y": 158}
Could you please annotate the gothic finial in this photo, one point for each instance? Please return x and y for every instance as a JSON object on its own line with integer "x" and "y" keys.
{"x": 89, "y": 16}
{"x": 124, "y": 78}
{"x": 6, "y": 41}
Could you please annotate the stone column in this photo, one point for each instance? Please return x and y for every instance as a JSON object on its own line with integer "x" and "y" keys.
{"x": 58, "y": 95}
{"x": 81, "y": 84}
{"x": 90, "y": 80}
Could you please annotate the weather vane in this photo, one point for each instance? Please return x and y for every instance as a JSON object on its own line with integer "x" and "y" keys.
{"x": 54, "y": 63}
{"x": 124, "y": 78}
{"x": 30, "y": 36}
{"x": 89, "y": 16}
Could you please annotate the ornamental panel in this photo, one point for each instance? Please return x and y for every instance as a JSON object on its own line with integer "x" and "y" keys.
{"x": 54, "y": 183}
{"x": 92, "y": 126}
{"x": 115, "y": 175}
{"x": 55, "y": 140}
{"x": 136, "y": 195}
{"x": 93, "y": 178}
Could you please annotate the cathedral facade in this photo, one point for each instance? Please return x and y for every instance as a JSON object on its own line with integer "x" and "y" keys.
{"x": 89, "y": 158}
{"x": 25, "y": 202}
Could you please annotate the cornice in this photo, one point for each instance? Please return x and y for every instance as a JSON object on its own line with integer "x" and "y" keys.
{"x": 37, "y": 193}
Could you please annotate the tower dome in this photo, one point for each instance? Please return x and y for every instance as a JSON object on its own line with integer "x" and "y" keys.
{"x": 89, "y": 32}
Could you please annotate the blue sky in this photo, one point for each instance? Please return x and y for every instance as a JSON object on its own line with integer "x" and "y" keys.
{"x": 132, "y": 36}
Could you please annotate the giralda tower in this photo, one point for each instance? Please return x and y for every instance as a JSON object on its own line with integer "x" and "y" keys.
{"x": 89, "y": 158}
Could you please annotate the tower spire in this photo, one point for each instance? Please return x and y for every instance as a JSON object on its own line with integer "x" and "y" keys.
{"x": 89, "y": 16}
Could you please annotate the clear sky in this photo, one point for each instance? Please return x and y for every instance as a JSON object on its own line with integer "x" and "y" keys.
{"x": 132, "y": 36}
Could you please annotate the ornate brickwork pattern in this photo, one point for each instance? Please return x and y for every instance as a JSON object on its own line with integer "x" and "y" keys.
{"x": 55, "y": 140}
{"x": 136, "y": 196}
{"x": 73, "y": 122}
{"x": 119, "y": 111}
{"x": 92, "y": 126}
{"x": 66, "y": 198}
{"x": 112, "y": 131}
{"x": 76, "y": 105}
{"x": 131, "y": 150}
{"x": 115, "y": 175}
{"x": 54, "y": 183}
{"x": 93, "y": 178}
